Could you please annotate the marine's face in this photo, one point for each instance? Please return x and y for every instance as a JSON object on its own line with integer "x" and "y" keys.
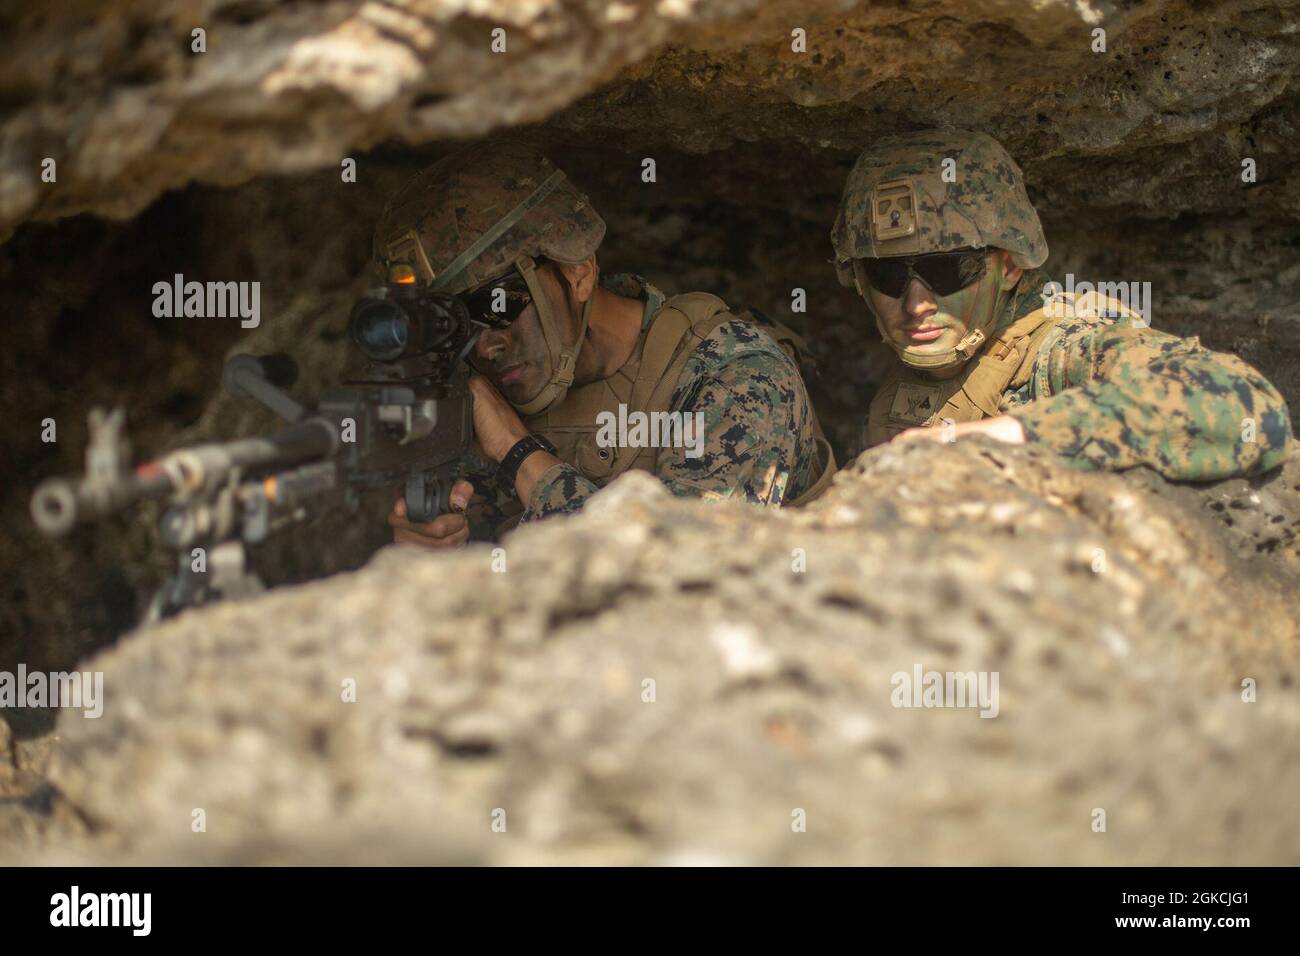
{"x": 926, "y": 323}
{"x": 515, "y": 359}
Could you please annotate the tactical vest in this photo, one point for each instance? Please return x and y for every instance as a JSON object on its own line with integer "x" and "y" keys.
{"x": 646, "y": 383}
{"x": 909, "y": 398}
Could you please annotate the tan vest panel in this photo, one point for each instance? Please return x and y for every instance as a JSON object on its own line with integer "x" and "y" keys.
{"x": 645, "y": 383}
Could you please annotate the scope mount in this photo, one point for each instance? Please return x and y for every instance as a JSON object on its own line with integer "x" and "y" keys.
{"x": 259, "y": 378}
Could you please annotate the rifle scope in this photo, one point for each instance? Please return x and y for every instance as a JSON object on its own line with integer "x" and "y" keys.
{"x": 390, "y": 325}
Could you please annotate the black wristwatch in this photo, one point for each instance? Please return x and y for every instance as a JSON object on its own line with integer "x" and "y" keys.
{"x": 509, "y": 466}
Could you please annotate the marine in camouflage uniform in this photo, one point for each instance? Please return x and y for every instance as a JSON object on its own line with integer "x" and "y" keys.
{"x": 987, "y": 343}
{"x": 500, "y": 220}
{"x": 760, "y": 433}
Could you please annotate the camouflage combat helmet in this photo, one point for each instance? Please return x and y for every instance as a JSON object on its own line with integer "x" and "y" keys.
{"x": 896, "y": 202}
{"x": 482, "y": 211}
{"x": 464, "y": 220}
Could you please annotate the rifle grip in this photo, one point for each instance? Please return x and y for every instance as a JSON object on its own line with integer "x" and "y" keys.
{"x": 426, "y": 498}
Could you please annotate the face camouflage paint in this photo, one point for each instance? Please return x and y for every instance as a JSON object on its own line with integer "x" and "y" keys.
{"x": 953, "y": 331}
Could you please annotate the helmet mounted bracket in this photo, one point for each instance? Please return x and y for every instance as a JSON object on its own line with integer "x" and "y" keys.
{"x": 895, "y": 229}
{"x": 407, "y": 249}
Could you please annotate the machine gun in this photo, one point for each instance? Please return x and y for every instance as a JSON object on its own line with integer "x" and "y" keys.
{"x": 405, "y": 420}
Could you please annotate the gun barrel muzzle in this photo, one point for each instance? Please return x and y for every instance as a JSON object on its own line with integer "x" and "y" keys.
{"x": 59, "y": 504}
{"x": 54, "y": 506}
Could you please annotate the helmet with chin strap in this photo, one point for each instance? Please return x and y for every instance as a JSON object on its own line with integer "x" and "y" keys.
{"x": 935, "y": 191}
{"x": 482, "y": 211}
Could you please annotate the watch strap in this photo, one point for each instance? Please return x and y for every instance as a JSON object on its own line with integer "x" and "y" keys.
{"x": 521, "y": 449}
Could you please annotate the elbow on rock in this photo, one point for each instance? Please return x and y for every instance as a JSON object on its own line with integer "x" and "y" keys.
{"x": 1272, "y": 436}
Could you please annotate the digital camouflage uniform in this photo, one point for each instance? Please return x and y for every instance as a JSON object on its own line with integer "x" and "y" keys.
{"x": 1106, "y": 393}
{"x": 1085, "y": 378}
{"x": 759, "y": 435}
{"x": 500, "y": 208}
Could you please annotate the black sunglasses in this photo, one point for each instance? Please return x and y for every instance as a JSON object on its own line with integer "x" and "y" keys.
{"x": 943, "y": 273}
{"x": 500, "y": 301}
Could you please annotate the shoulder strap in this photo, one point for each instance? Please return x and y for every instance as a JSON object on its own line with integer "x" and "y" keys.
{"x": 1005, "y": 341}
{"x": 994, "y": 369}
{"x": 705, "y": 313}
{"x": 1032, "y": 345}
{"x": 677, "y": 328}
{"x": 1090, "y": 305}
{"x": 826, "y": 470}
{"x": 682, "y": 324}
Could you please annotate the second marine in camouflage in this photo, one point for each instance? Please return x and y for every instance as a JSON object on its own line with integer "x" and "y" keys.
{"x": 500, "y": 227}
{"x": 937, "y": 234}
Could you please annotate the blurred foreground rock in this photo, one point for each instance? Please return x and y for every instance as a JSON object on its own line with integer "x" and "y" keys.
{"x": 1121, "y": 616}
{"x": 122, "y": 98}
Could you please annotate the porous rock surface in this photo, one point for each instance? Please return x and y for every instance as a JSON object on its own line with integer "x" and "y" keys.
{"x": 118, "y": 96}
{"x": 1121, "y": 626}
{"x": 522, "y": 691}
{"x": 1133, "y": 156}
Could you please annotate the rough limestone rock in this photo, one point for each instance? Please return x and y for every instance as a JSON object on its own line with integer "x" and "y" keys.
{"x": 285, "y": 87}
{"x": 1121, "y": 628}
{"x": 117, "y": 95}
{"x": 229, "y": 162}
{"x": 1121, "y": 687}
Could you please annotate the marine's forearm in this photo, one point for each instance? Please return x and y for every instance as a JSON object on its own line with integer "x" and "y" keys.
{"x": 1188, "y": 413}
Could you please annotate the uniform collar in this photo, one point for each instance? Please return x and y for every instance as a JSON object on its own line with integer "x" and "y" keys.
{"x": 633, "y": 286}
{"x": 1025, "y": 299}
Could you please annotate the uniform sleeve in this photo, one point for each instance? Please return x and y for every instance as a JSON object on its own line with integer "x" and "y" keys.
{"x": 485, "y": 512}
{"x": 562, "y": 489}
{"x": 750, "y": 433}
{"x": 1112, "y": 396}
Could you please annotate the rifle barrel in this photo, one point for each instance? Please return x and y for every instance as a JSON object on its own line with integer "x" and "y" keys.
{"x": 59, "y": 503}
